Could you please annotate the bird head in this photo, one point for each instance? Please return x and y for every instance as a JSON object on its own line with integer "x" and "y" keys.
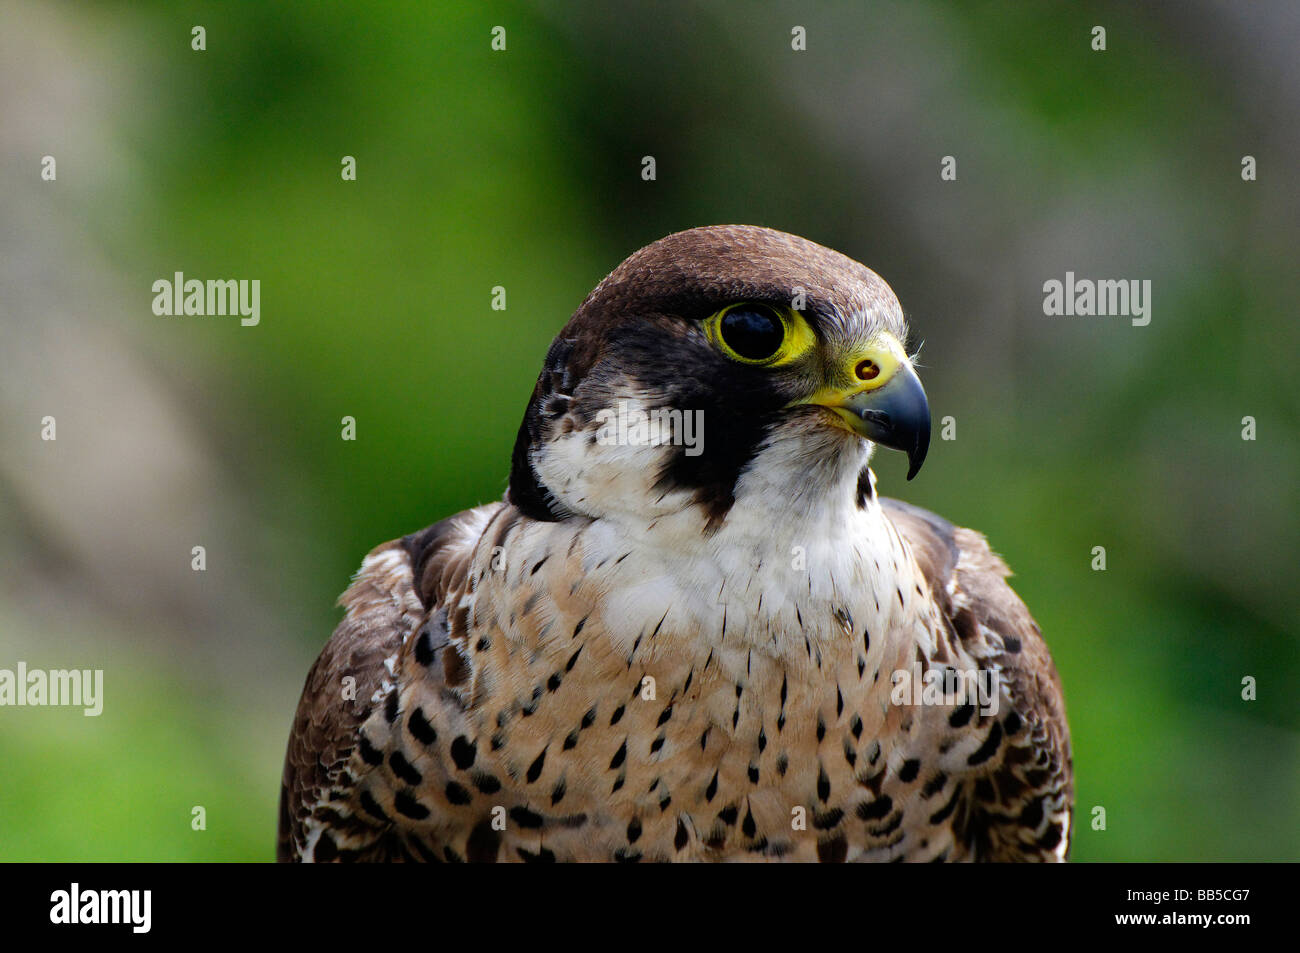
{"x": 705, "y": 356}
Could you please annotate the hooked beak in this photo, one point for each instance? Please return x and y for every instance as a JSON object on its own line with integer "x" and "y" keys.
{"x": 886, "y": 403}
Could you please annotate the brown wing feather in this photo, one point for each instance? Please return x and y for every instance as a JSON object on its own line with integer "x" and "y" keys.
{"x": 397, "y": 585}
{"x": 1021, "y": 809}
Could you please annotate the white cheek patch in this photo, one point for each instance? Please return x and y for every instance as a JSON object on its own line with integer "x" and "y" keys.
{"x": 610, "y": 469}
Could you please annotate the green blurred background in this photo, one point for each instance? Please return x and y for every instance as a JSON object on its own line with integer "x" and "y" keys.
{"x": 522, "y": 169}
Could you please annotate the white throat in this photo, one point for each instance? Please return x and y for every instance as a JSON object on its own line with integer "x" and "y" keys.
{"x": 801, "y": 558}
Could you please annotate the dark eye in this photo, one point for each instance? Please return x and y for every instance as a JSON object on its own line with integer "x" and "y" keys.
{"x": 752, "y": 331}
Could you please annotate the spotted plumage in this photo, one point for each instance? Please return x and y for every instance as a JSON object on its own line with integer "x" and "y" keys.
{"x": 648, "y": 654}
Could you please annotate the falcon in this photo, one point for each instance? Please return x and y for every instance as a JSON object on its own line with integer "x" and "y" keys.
{"x": 727, "y": 647}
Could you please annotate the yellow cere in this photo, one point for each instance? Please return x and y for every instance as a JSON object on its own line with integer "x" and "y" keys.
{"x": 885, "y": 352}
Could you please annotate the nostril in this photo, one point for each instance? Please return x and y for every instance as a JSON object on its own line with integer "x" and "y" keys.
{"x": 867, "y": 370}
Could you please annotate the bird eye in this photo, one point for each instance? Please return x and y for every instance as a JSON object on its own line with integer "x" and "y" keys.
{"x": 753, "y": 332}
{"x": 867, "y": 370}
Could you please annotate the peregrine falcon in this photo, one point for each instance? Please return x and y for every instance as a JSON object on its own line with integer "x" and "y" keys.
{"x": 692, "y": 630}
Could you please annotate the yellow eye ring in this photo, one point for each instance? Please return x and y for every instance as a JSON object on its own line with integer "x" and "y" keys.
{"x": 759, "y": 334}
